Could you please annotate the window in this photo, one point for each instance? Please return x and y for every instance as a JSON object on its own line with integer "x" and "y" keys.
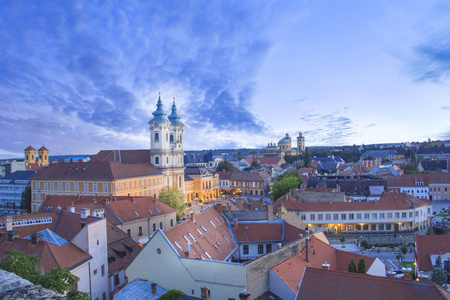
{"x": 260, "y": 248}
{"x": 397, "y": 215}
{"x": 351, "y": 227}
{"x": 140, "y": 230}
{"x": 358, "y": 227}
{"x": 129, "y": 232}
{"x": 320, "y": 217}
{"x": 335, "y": 216}
{"x": 67, "y": 187}
{"x": 403, "y": 215}
{"x": 328, "y": 216}
{"x": 157, "y": 137}
{"x": 154, "y": 227}
{"x": 51, "y": 186}
{"x": 381, "y": 227}
{"x": 156, "y": 160}
{"x": 343, "y": 216}
{"x": 303, "y": 217}
{"x": 105, "y": 187}
{"x": 366, "y": 227}
{"x": 171, "y": 222}
{"x": 366, "y": 216}
{"x": 358, "y": 216}
{"x": 45, "y": 186}
{"x": 160, "y": 225}
{"x": 167, "y": 160}
{"x": 447, "y": 266}
{"x": 171, "y": 138}
{"x": 75, "y": 187}
{"x": 373, "y": 227}
{"x": 94, "y": 187}
{"x": 116, "y": 280}
{"x": 374, "y": 216}
{"x": 95, "y": 272}
{"x": 312, "y": 217}
{"x": 103, "y": 270}
{"x": 410, "y": 214}
{"x": 428, "y": 210}
{"x": 381, "y": 216}
{"x": 59, "y": 186}
{"x": 389, "y": 215}
{"x": 86, "y": 187}
{"x": 245, "y": 249}
{"x": 268, "y": 248}
{"x": 388, "y": 227}
{"x": 104, "y": 296}
{"x": 351, "y": 216}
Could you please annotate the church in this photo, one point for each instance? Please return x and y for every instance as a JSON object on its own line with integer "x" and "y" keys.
{"x": 284, "y": 147}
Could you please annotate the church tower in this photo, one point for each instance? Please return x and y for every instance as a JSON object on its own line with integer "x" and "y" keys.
{"x": 300, "y": 143}
{"x": 166, "y": 144}
{"x": 30, "y": 155}
{"x": 43, "y": 156}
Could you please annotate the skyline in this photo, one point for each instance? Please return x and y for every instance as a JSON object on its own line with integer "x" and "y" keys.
{"x": 80, "y": 77}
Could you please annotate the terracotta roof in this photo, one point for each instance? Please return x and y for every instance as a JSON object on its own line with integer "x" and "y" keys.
{"x": 50, "y": 255}
{"x": 43, "y": 148}
{"x": 30, "y": 229}
{"x": 29, "y": 148}
{"x": 438, "y": 177}
{"x": 95, "y": 171}
{"x": 249, "y": 176}
{"x": 264, "y": 160}
{"x": 138, "y": 208}
{"x": 216, "y": 241}
{"x": 223, "y": 174}
{"x": 70, "y": 224}
{"x": 326, "y": 284}
{"x": 291, "y": 269}
{"x": 388, "y": 201}
{"x": 123, "y": 156}
{"x": 255, "y": 232}
{"x": 430, "y": 245}
{"x": 34, "y": 167}
{"x": 122, "y": 249}
{"x": 407, "y": 180}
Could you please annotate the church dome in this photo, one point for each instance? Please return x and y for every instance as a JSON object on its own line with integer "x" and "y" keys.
{"x": 283, "y": 141}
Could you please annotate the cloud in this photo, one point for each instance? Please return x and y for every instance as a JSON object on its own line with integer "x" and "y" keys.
{"x": 446, "y": 107}
{"x": 100, "y": 65}
{"x": 371, "y": 125}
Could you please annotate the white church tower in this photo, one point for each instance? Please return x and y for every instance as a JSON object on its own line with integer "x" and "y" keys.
{"x": 166, "y": 144}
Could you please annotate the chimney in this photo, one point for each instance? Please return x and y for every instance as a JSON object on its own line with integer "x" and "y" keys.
{"x": 85, "y": 212}
{"x": 204, "y": 292}
{"x": 228, "y": 206}
{"x": 9, "y": 224}
{"x": 244, "y": 295}
{"x": 235, "y": 223}
{"x": 79, "y": 197}
{"x": 240, "y": 203}
{"x": 270, "y": 212}
{"x": 279, "y": 245}
{"x": 326, "y": 266}
{"x": 132, "y": 199}
{"x": 58, "y": 209}
{"x": 193, "y": 218}
{"x": 154, "y": 199}
{"x": 188, "y": 252}
{"x": 36, "y": 237}
{"x": 219, "y": 208}
{"x": 12, "y": 235}
{"x": 279, "y": 212}
{"x": 72, "y": 209}
{"x": 154, "y": 288}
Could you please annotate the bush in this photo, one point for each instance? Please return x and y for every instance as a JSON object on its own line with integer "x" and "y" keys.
{"x": 365, "y": 244}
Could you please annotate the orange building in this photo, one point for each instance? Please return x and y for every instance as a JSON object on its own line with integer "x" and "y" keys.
{"x": 200, "y": 184}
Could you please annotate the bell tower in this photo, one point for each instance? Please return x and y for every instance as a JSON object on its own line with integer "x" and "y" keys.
{"x": 166, "y": 142}
{"x": 30, "y": 155}
{"x": 43, "y": 156}
{"x": 300, "y": 143}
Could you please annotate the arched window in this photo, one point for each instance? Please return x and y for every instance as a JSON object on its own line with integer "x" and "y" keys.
{"x": 171, "y": 138}
{"x": 156, "y": 160}
{"x": 167, "y": 137}
{"x": 167, "y": 160}
{"x": 157, "y": 137}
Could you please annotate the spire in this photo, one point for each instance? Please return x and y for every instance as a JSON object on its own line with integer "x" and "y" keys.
{"x": 159, "y": 115}
{"x": 174, "y": 117}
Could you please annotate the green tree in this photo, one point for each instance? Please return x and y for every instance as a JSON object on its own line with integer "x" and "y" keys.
{"x": 307, "y": 158}
{"x": 284, "y": 185}
{"x": 362, "y": 266}
{"x": 342, "y": 239}
{"x": 365, "y": 244}
{"x": 255, "y": 165}
{"x": 352, "y": 267}
{"x": 438, "y": 274}
{"x": 225, "y": 165}
{"x": 172, "y": 295}
{"x": 173, "y": 198}
{"x": 59, "y": 280}
{"x": 23, "y": 265}
{"x": 404, "y": 249}
{"x": 411, "y": 168}
{"x": 25, "y": 201}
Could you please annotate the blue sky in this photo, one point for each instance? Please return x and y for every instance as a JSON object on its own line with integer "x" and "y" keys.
{"x": 81, "y": 76}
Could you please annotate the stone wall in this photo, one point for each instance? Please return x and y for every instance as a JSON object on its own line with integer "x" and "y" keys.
{"x": 400, "y": 238}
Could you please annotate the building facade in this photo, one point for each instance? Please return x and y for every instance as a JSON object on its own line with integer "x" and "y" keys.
{"x": 439, "y": 186}
{"x": 11, "y": 189}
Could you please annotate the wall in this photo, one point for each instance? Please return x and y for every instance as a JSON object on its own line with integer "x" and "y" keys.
{"x": 147, "y": 225}
{"x": 82, "y": 272}
{"x": 377, "y": 268}
{"x": 279, "y": 287}
{"x": 258, "y": 270}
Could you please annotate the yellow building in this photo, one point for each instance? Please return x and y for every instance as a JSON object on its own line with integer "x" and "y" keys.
{"x": 201, "y": 184}
{"x": 95, "y": 178}
{"x": 43, "y": 156}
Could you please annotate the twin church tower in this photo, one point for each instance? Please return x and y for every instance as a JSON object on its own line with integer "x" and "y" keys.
{"x": 166, "y": 144}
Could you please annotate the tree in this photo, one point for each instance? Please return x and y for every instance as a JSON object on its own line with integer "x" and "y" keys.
{"x": 173, "y": 198}
{"x": 225, "y": 165}
{"x": 438, "y": 274}
{"x": 362, "y": 266}
{"x": 172, "y": 295}
{"x": 255, "y": 165}
{"x": 404, "y": 249}
{"x": 59, "y": 280}
{"x": 307, "y": 158}
{"x": 365, "y": 244}
{"x": 281, "y": 187}
{"x": 342, "y": 239}
{"x": 25, "y": 201}
{"x": 352, "y": 267}
{"x": 411, "y": 168}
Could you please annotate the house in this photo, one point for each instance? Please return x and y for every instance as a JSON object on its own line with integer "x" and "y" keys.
{"x": 439, "y": 186}
{"x": 436, "y": 152}
{"x": 205, "y": 185}
{"x": 267, "y": 161}
{"x": 286, "y": 276}
{"x": 96, "y": 178}
{"x": 11, "y": 189}
{"x": 140, "y": 289}
{"x": 413, "y": 184}
{"x": 384, "y": 171}
{"x": 394, "y": 212}
{"x": 251, "y": 183}
{"x": 86, "y": 232}
{"x": 434, "y": 165}
{"x": 427, "y": 250}
{"x": 319, "y": 283}
{"x": 139, "y": 217}
{"x": 224, "y": 179}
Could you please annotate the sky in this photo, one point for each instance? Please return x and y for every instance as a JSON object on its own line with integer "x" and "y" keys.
{"x": 82, "y": 76}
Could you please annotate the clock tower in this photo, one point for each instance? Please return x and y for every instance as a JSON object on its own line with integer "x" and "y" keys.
{"x": 166, "y": 144}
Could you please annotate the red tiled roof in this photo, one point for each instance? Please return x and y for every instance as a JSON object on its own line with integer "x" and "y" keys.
{"x": 50, "y": 255}
{"x": 291, "y": 269}
{"x": 43, "y": 148}
{"x": 126, "y": 210}
{"x": 430, "y": 245}
{"x": 95, "y": 171}
{"x": 30, "y": 229}
{"x": 209, "y": 241}
{"x": 34, "y": 167}
{"x": 407, "y": 180}
{"x": 325, "y": 284}
{"x": 249, "y": 176}
{"x": 439, "y": 177}
{"x": 223, "y": 174}
{"x": 123, "y": 156}
{"x": 29, "y": 148}
{"x": 388, "y": 201}
{"x": 122, "y": 249}
{"x": 254, "y": 232}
